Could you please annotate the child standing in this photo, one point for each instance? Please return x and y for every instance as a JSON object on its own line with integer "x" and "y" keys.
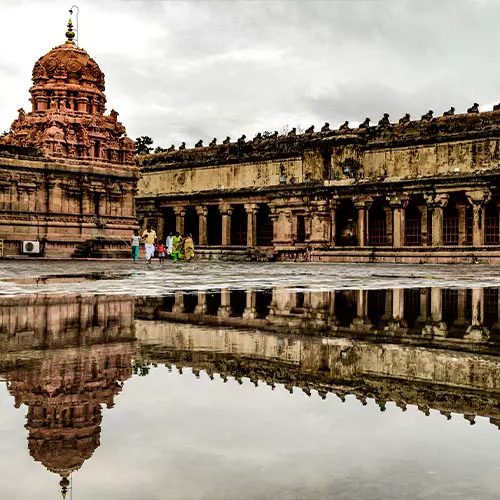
{"x": 160, "y": 249}
{"x": 135, "y": 239}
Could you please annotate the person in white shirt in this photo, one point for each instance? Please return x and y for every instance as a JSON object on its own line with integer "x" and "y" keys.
{"x": 169, "y": 243}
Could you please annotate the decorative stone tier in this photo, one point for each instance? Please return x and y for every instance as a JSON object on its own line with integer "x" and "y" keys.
{"x": 63, "y": 203}
{"x": 68, "y": 105}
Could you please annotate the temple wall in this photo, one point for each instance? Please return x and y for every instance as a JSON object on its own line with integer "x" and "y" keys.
{"x": 64, "y": 203}
{"x": 45, "y": 321}
{"x": 233, "y": 176}
{"x": 341, "y": 359}
{"x": 433, "y": 159}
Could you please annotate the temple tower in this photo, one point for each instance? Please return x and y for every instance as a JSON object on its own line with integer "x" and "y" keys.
{"x": 67, "y": 173}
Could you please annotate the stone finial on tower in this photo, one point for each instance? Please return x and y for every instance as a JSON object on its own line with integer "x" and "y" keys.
{"x": 70, "y": 34}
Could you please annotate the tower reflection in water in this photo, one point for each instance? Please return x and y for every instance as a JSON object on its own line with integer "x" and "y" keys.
{"x": 65, "y": 356}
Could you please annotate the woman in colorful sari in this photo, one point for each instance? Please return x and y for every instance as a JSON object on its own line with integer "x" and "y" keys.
{"x": 188, "y": 247}
{"x": 176, "y": 247}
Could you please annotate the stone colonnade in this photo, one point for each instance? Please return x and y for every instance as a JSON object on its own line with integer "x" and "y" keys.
{"x": 432, "y": 312}
{"x": 323, "y": 223}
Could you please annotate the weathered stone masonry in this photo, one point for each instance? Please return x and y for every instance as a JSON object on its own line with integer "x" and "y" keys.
{"x": 67, "y": 172}
{"x": 415, "y": 191}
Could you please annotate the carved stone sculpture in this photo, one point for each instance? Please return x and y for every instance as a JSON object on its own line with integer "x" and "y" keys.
{"x": 199, "y": 144}
{"x": 450, "y": 112}
{"x": 384, "y": 121}
{"x": 404, "y": 119}
{"x": 310, "y": 130}
{"x": 325, "y": 128}
{"x": 344, "y": 127}
{"x": 366, "y": 123}
{"x": 428, "y": 116}
{"x": 182, "y": 146}
{"x": 474, "y": 108}
{"x": 227, "y": 140}
{"x": 213, "y": 142}
{"x": 292, "y": 132}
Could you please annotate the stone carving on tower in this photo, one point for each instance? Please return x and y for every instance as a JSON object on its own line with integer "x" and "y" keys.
{"x": 68, "y": 110}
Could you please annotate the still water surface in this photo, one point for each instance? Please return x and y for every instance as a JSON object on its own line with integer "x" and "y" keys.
{"x": 222, "y": 392}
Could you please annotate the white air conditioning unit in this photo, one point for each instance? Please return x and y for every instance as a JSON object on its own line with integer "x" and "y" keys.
{"x": 31, "y": 247}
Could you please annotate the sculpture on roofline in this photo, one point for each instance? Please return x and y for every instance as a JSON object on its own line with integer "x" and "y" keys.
{"x": 182, "y": 146}
{"x": 241, "y": 140}
{"x": 450, "y": 112}
{"x": 344, "y": 127}
{"x": 310, "y": 130}
{"x": 428, "y": 116}
{"x": 496, "y": 107}
{"x": 365, "y": 124}
{"x": 213, "y": 142}
{"x": 171, "y": 148}
{"x": 226, "y": 141}
{"x": 292, "y": 132}
{"x": 199, "y": 144}
{"x": 404, "y": 119}
{"x": 474, "y": 108}
{"x": 258, "y": 137}
{"x": 325, "y": 128}
{"x": 384, "y": 121}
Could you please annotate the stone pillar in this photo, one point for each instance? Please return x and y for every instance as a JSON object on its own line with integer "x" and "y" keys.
{"x": 398, "y": 299}
{"x": 437, "y": 327}
{"x": 202, "y": 225}
{"x": 388, "y": 226}
{"x": 225, "y": 304}
{"x": 250, "y": 311}
{"x": 321, "y": 225}
{"x": 54, "y": 196}
{"x": 422, "y": 317}
{"x": 461, "y": 306}
{"x": 251, "y": 210}
{"x": 180, "y": 213}
{"x": 362, "y": 205}
{"x": 398, "y": 204}
{"x": 478, "y": 200}
{"x": 282, "y": 226}
{"x": 437, "y": 201}
{"x": 462, "y": 229}
{"x": 476, "y": 331}
{"x": 423, "y": 225}
{"x": 436, "y": 304}
{"x": 333, "y": 222}
{"x": 178, "y": 306}
{"x": 201, "y": 306}
{"x": 160, "y": 224}
{"x": 361, "y": 321}
{"x": 226, "y": 212}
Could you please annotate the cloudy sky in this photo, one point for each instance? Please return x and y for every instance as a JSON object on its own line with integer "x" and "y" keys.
{"x": 185, "y": 70}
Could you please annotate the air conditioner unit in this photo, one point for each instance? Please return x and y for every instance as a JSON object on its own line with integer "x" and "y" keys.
{"x": 31, "y": 247}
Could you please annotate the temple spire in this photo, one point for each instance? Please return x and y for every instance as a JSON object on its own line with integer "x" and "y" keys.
{"x": 70, "y": 34}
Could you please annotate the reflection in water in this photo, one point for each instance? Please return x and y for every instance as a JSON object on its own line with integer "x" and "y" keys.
{"x": 65, "y": 356}
{"x": 471, "y": 315}
{"x": 89, "y": 345}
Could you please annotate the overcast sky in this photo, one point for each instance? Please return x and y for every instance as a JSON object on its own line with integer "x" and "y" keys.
{"x": 185, "y": 70}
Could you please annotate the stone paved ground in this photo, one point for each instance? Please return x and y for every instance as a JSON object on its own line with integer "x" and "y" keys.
{"x": 18, "y": 277}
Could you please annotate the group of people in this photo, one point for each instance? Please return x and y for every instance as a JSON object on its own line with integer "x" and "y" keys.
{"x": 175, "y": 246}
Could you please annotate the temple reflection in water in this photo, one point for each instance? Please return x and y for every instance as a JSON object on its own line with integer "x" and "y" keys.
{"x": 65, "y": 356}
{"x": 446, "y": 313}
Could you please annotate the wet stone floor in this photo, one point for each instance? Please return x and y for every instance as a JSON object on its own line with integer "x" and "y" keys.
{"x": 217, "y": 380}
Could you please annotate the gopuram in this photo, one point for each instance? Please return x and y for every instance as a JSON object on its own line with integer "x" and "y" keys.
{"x": 424, "y": 190}
{"x": 67, "y": 171}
